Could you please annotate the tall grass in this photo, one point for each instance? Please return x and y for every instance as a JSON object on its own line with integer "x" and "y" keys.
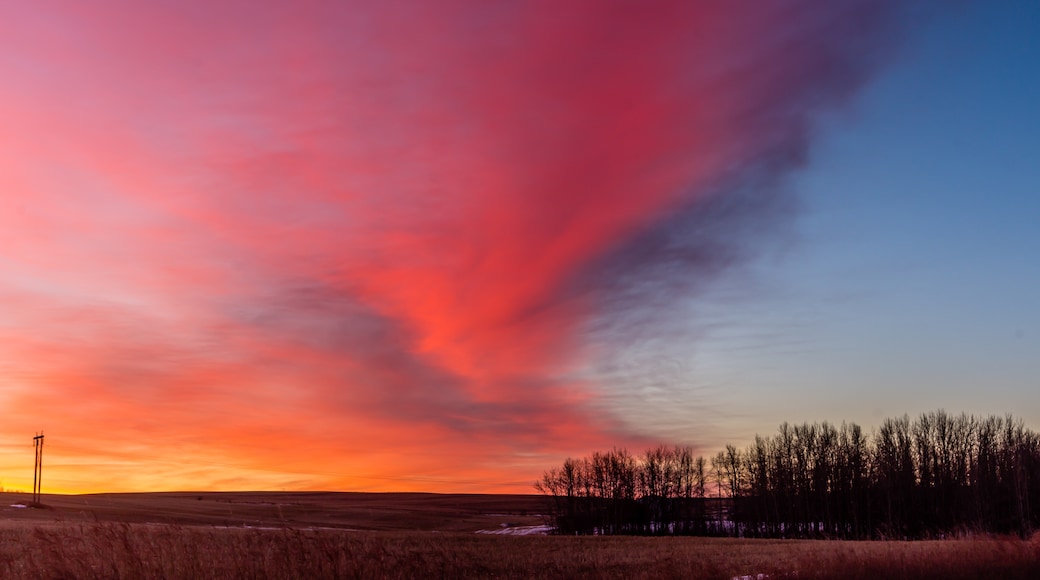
{"x": 108, "y": 550}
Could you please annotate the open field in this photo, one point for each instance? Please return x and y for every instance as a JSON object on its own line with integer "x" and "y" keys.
{"x": 428, "y": 536}
{"x": 356, "y": 511}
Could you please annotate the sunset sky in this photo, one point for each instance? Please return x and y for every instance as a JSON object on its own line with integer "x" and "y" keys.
{"x": 441, "y": 246}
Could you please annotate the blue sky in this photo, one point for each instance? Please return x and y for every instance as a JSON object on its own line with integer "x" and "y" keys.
{"x": 912, "y": 279}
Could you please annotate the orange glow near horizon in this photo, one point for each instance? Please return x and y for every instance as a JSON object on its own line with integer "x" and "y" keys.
{"x": 362, "y": 248}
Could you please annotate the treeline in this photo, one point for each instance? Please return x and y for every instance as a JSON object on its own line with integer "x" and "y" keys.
{"x": 935, "y": 476}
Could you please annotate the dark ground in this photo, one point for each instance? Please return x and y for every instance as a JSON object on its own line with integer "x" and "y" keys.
{"x": 361, "y": 511}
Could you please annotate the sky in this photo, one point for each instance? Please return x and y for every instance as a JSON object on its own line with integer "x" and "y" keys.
{"x": 442, "y": 246}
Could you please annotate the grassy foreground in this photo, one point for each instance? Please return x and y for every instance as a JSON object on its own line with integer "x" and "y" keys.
{"x": 122, "y": 550}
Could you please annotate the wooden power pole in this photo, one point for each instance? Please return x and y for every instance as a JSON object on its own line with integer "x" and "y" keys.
{"x": 38, "y": 467}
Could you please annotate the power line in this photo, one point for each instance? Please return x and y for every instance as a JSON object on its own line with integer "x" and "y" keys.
{"x": 38, "y": 467}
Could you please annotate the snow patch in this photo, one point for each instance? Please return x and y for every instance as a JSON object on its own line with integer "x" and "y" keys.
{"x": 518, "y": 531}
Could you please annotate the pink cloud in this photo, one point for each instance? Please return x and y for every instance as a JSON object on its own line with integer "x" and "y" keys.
{"x": 370, "y": 238}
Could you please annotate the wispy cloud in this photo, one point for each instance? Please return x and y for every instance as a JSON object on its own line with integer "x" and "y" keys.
{"x": 363, "y": 246}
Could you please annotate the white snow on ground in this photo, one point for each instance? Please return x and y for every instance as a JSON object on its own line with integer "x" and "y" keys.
{"x": 518, "y": 531}
{"x": 18, "y": 505}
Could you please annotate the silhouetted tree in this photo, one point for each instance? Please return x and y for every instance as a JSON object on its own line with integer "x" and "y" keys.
{"x": 937, "y": 475}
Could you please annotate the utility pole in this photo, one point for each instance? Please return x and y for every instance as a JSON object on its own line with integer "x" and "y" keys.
{"x": 38, "y": 467}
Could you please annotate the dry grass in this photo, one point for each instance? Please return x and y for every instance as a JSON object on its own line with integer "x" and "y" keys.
{"x": 111, "y": 550}
{"x": 178, "y": 535}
